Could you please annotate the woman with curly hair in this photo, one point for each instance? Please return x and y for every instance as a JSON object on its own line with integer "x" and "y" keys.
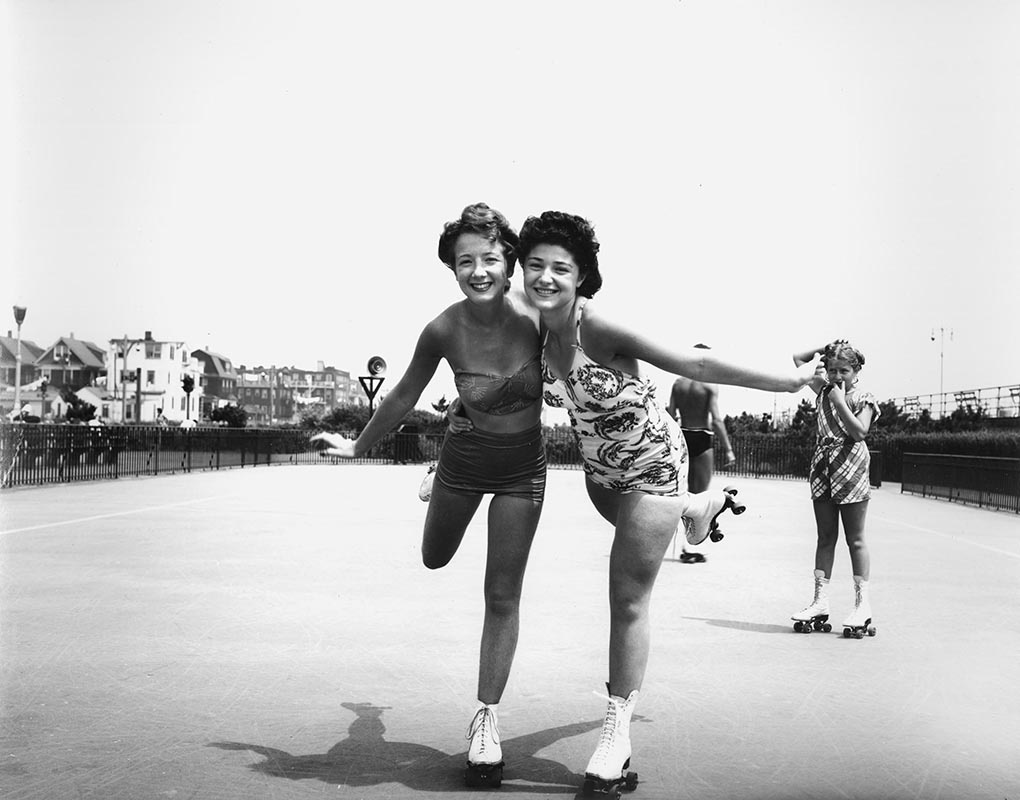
{"x": 840, "y": 484}
{"x": 490, "y": 340}
{"x": 635, "y": 460}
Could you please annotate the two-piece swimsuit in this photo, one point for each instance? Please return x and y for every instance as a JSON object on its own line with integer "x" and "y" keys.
{"x": 480, "y": 462}
{"x": 627, "y": 441}
{"x": 840, "y": 466}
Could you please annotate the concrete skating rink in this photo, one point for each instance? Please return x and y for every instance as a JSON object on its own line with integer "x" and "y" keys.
{"x": 271, "y": 633}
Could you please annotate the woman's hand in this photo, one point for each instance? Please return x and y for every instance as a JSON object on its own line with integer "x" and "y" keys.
{"x": 335, "y": 445}
{"x": 457, "y": 419}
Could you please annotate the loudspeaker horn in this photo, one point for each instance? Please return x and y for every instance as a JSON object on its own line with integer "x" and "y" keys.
{"x": 376, "y": 365}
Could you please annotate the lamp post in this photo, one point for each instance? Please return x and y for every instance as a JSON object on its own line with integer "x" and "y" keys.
{"x": 942, "y": 353}
{"x": 19, "y": 317}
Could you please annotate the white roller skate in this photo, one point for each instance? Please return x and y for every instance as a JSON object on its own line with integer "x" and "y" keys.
{"x": 703, "y": 510}
{"x": 816, "y": 615}
{"x": 859, "y": 621}
{"x": 485, "y": 755}
{"x": 607, "y": 773}
{"x": 425, "y": 490}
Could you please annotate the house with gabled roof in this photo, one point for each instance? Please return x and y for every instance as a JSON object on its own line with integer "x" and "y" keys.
{"x": 71, "y": 363}
{"x": 30, "y": 351}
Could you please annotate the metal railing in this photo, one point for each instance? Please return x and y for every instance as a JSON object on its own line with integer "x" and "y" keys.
{"x": 34, "y": 454}
{"x": 972, "y": 480}
{"x": 995, "y": 401}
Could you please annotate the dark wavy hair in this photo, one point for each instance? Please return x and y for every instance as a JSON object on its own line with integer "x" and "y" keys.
{"x": 486, "y": 222}
{"x": 842, "y": 350}
{"x": 574, "y": 234}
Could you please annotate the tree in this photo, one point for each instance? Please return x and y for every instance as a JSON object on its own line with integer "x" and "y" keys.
{"x": 233, "y": 416}
{"x": 77, "y": 409}
{"x": 188, "y": 384}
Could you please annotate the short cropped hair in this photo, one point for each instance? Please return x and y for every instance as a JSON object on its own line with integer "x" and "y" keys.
{"x": 574, "y": 234}
{"x": 842, "y": 350}
{"x": 486, "y": 222}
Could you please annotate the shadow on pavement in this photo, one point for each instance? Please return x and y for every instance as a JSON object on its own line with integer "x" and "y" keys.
{"x": 365, "y": 758}
{"x": 739, "y": 625}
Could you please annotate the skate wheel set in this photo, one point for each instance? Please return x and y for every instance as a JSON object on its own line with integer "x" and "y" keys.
{"x": 817, "y": 623}
{"x": 488, "y": 775}
{"x": 600, "y": 787}
{"x": 858, "y": 631}
{"x": 737, "y": 507}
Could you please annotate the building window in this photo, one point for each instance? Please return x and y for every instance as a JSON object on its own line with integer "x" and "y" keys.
{"x": 150, "y": 377}
{"x": 171, "y": 352}
{"x": 153, "y": 349}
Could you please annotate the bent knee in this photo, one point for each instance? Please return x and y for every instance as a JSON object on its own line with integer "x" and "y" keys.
{"x": 435, "y": 560}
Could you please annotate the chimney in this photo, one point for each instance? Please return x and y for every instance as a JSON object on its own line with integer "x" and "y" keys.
{"x": 148, "y": 336}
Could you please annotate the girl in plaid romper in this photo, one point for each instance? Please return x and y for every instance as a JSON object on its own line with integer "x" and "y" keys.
{"x": 840, "y": 484}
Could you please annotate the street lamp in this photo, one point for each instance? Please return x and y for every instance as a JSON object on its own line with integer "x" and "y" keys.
{"x": 942, "y": 353}
{"x": 19, "y": 317}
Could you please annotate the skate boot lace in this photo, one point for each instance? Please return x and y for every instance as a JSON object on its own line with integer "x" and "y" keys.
{"x": 484, "y": 726}
{"x": 607, "y": 738}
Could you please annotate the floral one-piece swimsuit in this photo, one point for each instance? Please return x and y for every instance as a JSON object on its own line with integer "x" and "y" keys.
{"x": 627, "y": 440}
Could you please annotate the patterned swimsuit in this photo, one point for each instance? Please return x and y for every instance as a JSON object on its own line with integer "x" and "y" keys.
{"x": 840, "y": 466}
{"x": 627, "y": 441}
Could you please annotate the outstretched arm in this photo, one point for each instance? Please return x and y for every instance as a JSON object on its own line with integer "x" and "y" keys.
{"x": 807, "y": 356}
{"x": 397, "y": 403}
{"x": 613, "y": 344}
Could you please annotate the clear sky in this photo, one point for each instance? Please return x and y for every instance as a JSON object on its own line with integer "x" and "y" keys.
{"x": 268, "y": 179}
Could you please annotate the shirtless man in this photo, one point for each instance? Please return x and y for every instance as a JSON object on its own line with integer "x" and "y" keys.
{"x": 695, "y": 405}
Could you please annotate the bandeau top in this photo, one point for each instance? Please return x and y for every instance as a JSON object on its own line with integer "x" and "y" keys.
{"x": 501, "y": 394}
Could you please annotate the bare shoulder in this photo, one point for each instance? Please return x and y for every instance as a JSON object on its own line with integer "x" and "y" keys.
{"x": 436, "y": 335}
{"x": 518, "y": 301}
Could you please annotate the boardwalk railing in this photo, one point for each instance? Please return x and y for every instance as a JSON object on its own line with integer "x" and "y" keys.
{"x": 33, "y": 454}
{"x": 973, "y": 480}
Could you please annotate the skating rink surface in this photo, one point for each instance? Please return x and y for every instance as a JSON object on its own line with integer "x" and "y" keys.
{"x": 271, "y": 633}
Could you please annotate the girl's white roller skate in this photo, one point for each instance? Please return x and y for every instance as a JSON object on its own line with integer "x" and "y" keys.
{"x": 816, "y": 615}
{"x": 485, "y": 755}
{"x": 859, "y": 621}
{"x": 607, "y": 773}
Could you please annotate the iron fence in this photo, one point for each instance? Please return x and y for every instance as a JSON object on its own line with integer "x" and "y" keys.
{"x": 32, "y": 454}
{"x": 972, "y": 480}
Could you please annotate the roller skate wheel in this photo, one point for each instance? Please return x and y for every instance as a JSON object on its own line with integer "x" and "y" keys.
{"x": 630, "y": 782}
{"x": 716, "y": 536}
{"x": 798, "y": 626}
{"x": 872, "y": 631}
{"x": 827, "y": 628}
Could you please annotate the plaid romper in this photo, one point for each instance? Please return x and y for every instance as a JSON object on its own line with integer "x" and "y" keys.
{"x": 840, "y": 466}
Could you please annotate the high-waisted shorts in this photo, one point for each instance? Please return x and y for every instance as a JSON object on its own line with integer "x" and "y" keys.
{"x": 478, "y": 462}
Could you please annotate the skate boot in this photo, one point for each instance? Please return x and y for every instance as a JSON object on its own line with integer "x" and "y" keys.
{"x": 703, "y": 509}
{"x": 425, "y": 490}
{"x": 815, "y": 615}
{"x": 485, "y": 755}
{"x": 606, "y": 773}
{"x": 859, "y": 621}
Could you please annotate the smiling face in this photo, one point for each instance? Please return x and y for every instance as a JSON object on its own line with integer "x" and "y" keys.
{"x": 839, "y": 371}
{"x": 480, "y": 267}
{"x": 551, "y": 277}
